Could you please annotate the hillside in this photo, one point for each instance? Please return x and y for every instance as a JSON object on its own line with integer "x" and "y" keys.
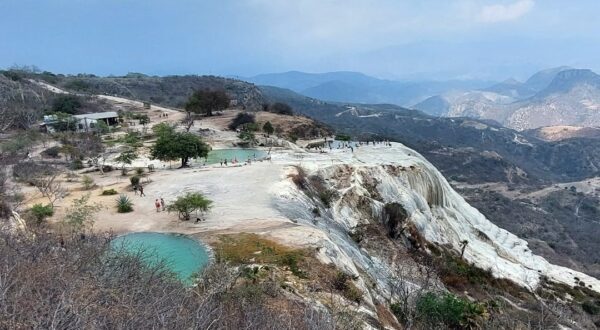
{"x": 554, "y": 97}
{"x": 557, "y": 133}
{"x": 459, "y": 147}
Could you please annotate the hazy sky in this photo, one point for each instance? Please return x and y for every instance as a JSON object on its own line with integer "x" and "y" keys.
{"x": 386, "y": 38}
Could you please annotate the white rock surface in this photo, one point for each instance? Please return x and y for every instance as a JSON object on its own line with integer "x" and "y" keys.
{"x": 440, "y": 214}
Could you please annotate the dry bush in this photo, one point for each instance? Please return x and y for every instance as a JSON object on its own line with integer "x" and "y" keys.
{"x": 75, "y": 282}
{"x": 299, "y": 178}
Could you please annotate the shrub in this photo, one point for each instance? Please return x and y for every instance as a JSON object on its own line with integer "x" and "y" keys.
{"x": 135, "y": 180}
{"x": 241, "y": 119}
{"x": 291, "y": 259}
{"x": 87, "y": 182}
{"x": 353, "y": 293}
{"x": 343, "y": 283}
{"x": 281, "y": 108}
{"x": 41, "y": 212}
{"x": 447, "y": 310}
{"x": 79, "y": 85}
{"x": 293, "y": 137}
{"x": 247, "y": 136}
{"x": 591, "y": 307}
{"x": 76, "y": 164}
{"x": 139, "y": 171}
{"x": 268, "y": 128}
{"x": 52, "y": 152}
{"x": 188, "y": 203}
{"x": 343, "y": 137}
{"x": 66, "y": 104}
{"x": 12, "y": 75}
{"x": 124, "y": 204}
{"x": 109, "y": 192}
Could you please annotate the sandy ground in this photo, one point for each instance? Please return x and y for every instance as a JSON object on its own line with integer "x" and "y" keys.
{"x": 242, "y": 195}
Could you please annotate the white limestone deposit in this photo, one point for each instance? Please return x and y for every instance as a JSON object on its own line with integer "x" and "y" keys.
{"x": 440, "y": 214}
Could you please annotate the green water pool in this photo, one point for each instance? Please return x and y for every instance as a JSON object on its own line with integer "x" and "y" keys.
{"x": 215, "y": 156}
{"x": 183, "y": 255}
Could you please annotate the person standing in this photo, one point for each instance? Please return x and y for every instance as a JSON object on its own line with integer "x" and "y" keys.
{"x": 162, "y": 203}
{"x": 141, "y": 188}
{"x": 157, "y": 204}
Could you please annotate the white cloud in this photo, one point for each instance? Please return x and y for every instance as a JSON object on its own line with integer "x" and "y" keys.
{"x": 500, "y": 13}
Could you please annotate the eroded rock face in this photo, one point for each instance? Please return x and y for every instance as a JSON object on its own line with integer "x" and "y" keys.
{"x": 396, "y": 186}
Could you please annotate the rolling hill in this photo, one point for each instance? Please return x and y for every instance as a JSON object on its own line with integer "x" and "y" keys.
{"x": 354, "y": 87}
{"x": 554, "y": 97}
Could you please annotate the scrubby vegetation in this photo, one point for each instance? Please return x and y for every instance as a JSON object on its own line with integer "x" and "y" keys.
{"x": 88, "y": 182}
{"x": 109, "y": 192}
{"x": 124, "y": 204}
{"x": 448, "y": 310}
{"x": 41, "y": 212}
{"x": 188, "y": 203}
{"x": 314, "y": 186}
{"x": 280, "y": 108}
{"x": 83, "y": 291}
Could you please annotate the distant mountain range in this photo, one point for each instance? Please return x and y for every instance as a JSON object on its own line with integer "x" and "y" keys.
{"x": 554, "y": 97}
{"x": 354, "y": 87}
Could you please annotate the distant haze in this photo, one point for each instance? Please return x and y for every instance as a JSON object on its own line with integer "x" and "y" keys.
{"x": 397, "y": 39}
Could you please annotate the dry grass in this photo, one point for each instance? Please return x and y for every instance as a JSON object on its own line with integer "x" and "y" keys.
{"x": 248, "y": 248}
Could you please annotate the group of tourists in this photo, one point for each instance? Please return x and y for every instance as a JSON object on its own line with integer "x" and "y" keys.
{"x": 159, "y": 203}
{"x": 140, "y": 188}
{"x": 235, "y": 161}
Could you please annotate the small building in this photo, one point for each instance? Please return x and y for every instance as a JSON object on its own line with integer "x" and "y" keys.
{"x": 87, "y": 122}
{"x": 80, "y": 123}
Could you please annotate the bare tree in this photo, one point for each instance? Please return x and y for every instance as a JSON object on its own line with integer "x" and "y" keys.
{"x": 50, "y": 187}
{"x": 409, "y": 282}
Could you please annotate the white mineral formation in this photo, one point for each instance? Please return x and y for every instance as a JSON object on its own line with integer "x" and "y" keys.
{"x": 380, "y": 174}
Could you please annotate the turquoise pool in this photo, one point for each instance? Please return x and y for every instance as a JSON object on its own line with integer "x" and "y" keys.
{"x": 215, "y": 156}
{"x": 183, "y": 255}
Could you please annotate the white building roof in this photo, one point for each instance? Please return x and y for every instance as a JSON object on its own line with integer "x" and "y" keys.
{"x": 98, "y": 115}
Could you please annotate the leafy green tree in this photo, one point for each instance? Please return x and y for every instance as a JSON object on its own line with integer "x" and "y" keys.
{"x": 207, "y": 101}
{"x": 126, "y": 158}
{"x": 188, "y": 203}
{"x": 66, "y": 104}
{"x": 144, "y": 120}
{"x": 175, "y": 145}
{"x": 268, "y": 128}
{"x": 163, "y": 129}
